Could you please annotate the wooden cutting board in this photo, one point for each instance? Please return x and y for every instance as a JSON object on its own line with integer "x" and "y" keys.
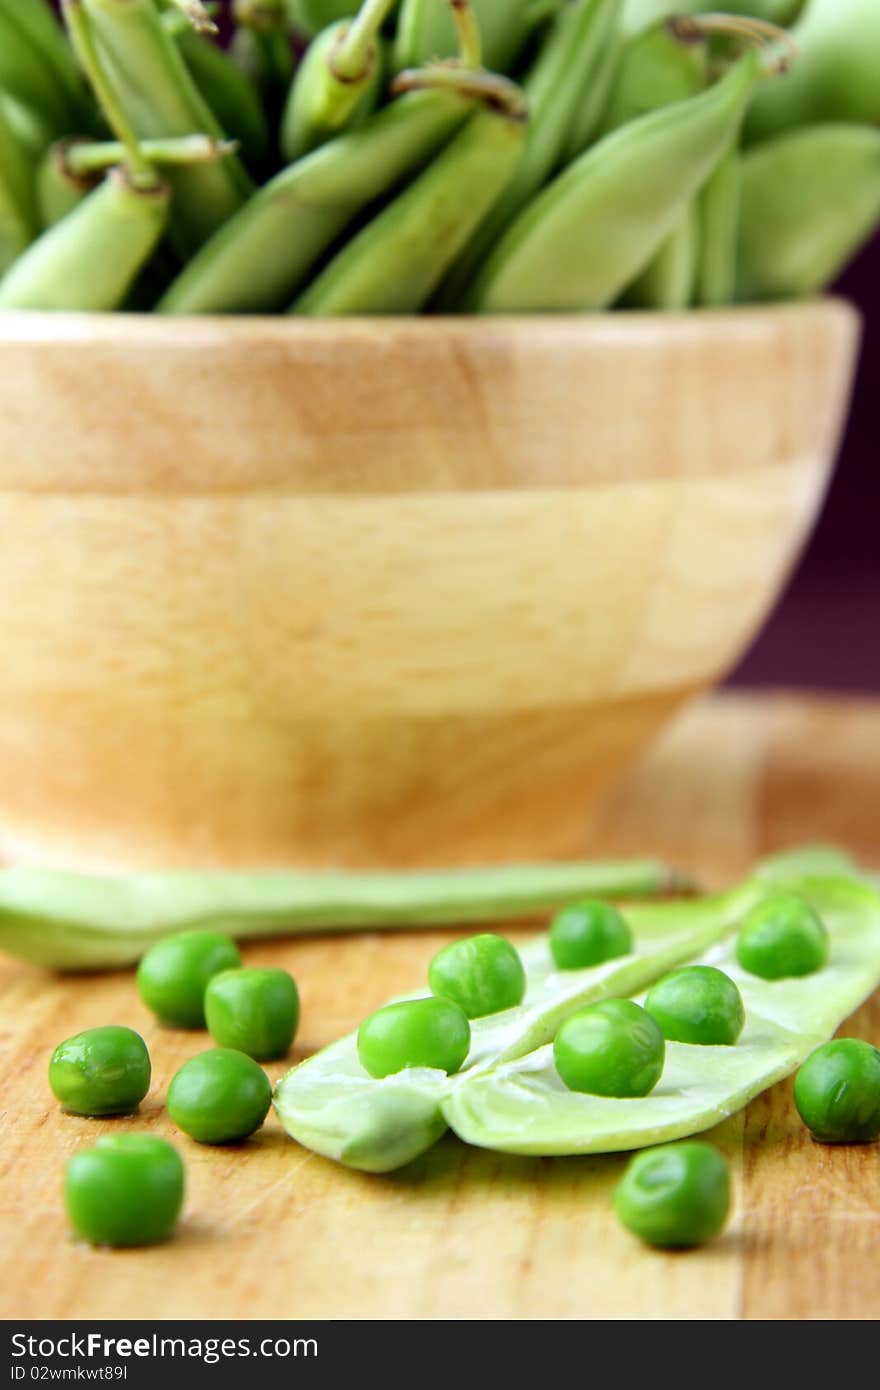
{"x": 271, "y": 1230}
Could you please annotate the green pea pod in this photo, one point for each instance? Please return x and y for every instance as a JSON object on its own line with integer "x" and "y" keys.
{"x": 309, "y": 17}
{"x": 90, "y": 260}
{"x": 28, "y": 76}
{"x": 260, "y": 259}
{"x": 807, "y": 861}
{"x": 160, "y": 99}
{"x": 669, "y": 281}
{"x": 638, "y": 14}
{"x": 590, "y": 232}
{"x": 425, "y": 31}
{"x": 72, "y": 168}
{"x": 338, "y": 83}
{"x": 718, "y": 212}
{"x": 228, "y": 92}
{"x": 810, "y": 199}
{"x": 836, "y": 76}
{"x": 554, "y": 89}
{"x": 36, "y": 21}
{"x": 18, "y": 207}
{"x": 262, "y": 48}
{"x": 658, "y": 66}
{"x": 396, "y": 263}
{"x": 591, "y": 109}
{"x": 58, "y": 190}
{"x": 71, "y": 921}
{"x": 31, "y": 131}
{"x": 330, "y": 1104}
{"x": 522, "y": 1106}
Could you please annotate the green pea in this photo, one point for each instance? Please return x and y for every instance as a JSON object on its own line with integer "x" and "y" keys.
{"x": 837, "y": 1092}
{"x": 613, "y": 1048}
{"x": 219, "y": 1097}
{"x": 105, "y": 1071}
{"x": 253, "y": 1011}
{"x": 782, "y": 937}
{"x": 588, "y": 933}
{"x": 482, "y": 974}
{"x": 675, "y": 1196}
{"x": 697, "y": 1004}
{"x": 174, "y": 974}
{"x": 126, "y": 1190}
{"x": 415, "y": 1033}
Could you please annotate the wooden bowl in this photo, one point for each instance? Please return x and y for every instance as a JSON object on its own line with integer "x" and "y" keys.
{"x": 387, "y": 591}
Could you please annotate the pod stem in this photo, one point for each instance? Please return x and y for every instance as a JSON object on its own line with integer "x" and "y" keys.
{"x": 467, "y": 28}
{"x": 777, "y": 46}
{"x": 197, "y": 14}
{"x": 140, "y": 171}
{"x": 354, "y": 54}
{"x": 265, "y": 17}
{"x": 496, "y": 91}
{"x": 466, "y": 73}
{"x": 80, "y": 159}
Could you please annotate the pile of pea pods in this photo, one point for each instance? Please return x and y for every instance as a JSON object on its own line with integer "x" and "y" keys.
{"x": 438, "y": 156}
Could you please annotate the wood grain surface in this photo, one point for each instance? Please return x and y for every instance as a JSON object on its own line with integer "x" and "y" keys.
{"x": 405, "y": 591}
{"x": 271, "y": 1230}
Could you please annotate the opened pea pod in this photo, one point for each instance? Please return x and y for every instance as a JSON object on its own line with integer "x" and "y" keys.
{"x": 332, "y": 1104}
{"x": 523, "y": 1106}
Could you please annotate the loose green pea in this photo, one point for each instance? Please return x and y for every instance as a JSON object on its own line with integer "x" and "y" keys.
{"x": 588, "y": 933}
{"x": 613, "y": 1048}
{"x": 675, "y": 1196}
{"x": 482, "y": 974}
{"x": 415, "y": 1033}
{"x": 126, "y": 1190}
{"x": 837, "y": 1092}
{"x": 697, "y": 1004}
{"x": 219, "y": 1097}
{"x": 253, "y": 1011}
{"x": 782, "y": 937}
{"x": 104, "y": 1071}
{"x": 174, "y": 974}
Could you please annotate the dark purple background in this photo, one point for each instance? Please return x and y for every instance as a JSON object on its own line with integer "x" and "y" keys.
{"x": 825, "y": 633}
